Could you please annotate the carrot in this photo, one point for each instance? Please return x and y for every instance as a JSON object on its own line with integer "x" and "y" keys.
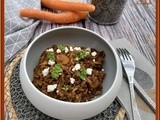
{"x": 69, "y": 6}
{"x": 62, "y": 18}
{"x": 63, "y": 59}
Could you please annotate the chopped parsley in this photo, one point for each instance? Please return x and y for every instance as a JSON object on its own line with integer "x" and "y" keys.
{"x": 61, "y": 47}
{"x": 50, "y": 56}
{"x": 57, "y": 69}
{"x": 83, "y": 73}
{"x": 65, "y": 87}
{"x": 82, "y": 54}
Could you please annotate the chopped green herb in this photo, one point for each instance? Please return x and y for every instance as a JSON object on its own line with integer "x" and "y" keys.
{"x": 82, "y": 54}
{"x": 57, "y": 69}
{"x": 61, "y": 47}
{"x": 65, "y": 87}
{"x": 50, "y": 56}
{"x": 54, "y": 74}
{"x": 83, "y": 73}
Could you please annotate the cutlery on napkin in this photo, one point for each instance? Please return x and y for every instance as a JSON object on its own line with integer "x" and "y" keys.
{"x": 146, "y": 67}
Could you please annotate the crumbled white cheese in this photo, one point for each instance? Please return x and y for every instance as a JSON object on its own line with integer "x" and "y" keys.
{"x": 45, "y": 71}
{"x": 58, "y": 51}
{"x": 71, "y": 48}
{"x": 72, "y": 80}
{"x": 77, "y": 59}
{"x": 57, "y": 91}
{"x": 66, "y": 50}
{"x": 73, "y": 69}
{"x": 102, "y": 69}
{"x": 94, "y": 60}
{"x": 51, "y": 88}
{"x": 77, "y": 66}
{"x": 50, "y": 62}
{"x": 89, "y": 71}
{"x": 88, "y": 49}
{"x": 94, "y": 53}
{"x": 50, "y": 50}
{"x": 60, "y": 73}
{"x": 77, "y": 48}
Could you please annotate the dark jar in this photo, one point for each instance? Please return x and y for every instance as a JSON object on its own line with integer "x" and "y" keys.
{"x": 107, "y": 12}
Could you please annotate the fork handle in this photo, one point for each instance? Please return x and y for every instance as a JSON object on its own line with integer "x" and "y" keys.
{"x": 145, "y": 96}
{"x": 136, "y": 115}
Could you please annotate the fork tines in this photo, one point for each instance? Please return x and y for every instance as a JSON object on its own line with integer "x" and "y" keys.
{"x": 125, "y": 54}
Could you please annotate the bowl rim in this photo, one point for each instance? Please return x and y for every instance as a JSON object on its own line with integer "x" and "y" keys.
{"x": 65, "y": 102}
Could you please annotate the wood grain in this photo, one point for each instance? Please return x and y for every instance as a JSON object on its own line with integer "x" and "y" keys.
{"x": 137, "y": 24}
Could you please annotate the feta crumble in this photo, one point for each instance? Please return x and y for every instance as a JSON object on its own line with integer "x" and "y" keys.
{"x": 77, "y": 66}
{"x": 73, "y": 69}
{"x": 50, "y": 50}
{"x": 71, "y": 48}
{"x": 94, "y": 60}
{"x": 89, "y": 71}
{"x": 58, "y": 51}
{"x": 57, "y": 91}
{"x": 45, "y": 71}
{"x": 51, "y": 88}
{"x": 88, "y": 49}
{"x": 94, "y": 53}
{"x": 66, "y": 50}
{"x": 72, "y": 80}
{"x": 50, "y": 62}
{"x": 77, "y": 48}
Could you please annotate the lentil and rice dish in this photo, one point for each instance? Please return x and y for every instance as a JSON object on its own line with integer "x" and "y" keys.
{"x": 73, "y": 74}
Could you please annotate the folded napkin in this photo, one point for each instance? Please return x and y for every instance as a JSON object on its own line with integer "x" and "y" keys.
{"x": 18, "y": 31}
{"x": 145, "y": 76}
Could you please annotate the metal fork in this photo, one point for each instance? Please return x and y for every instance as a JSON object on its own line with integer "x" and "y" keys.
{"x": 129, "y": 67}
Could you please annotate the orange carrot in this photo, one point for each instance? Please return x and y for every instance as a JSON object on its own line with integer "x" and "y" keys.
{"x": 62, "y": 58}
{"x": 62, "y": 18}
{"x": 69, "y": 6}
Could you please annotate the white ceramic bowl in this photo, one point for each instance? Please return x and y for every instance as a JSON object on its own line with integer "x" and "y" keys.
{"x": 68, "y": 110}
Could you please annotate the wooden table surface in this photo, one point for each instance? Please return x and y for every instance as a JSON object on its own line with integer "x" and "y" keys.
{"x": 137, "y": 25}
